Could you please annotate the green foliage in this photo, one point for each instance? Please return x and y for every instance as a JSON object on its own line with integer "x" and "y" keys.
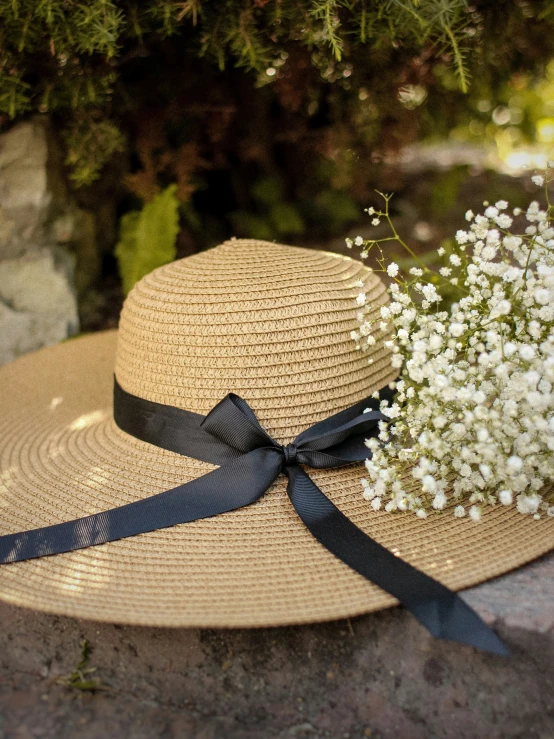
{"x": 89, "y": 145}
{"x": 63, "y": 39}
{"x": 251, "y": 225}
{"x": 14, "y": 95}
{"x": 444, "y": 23}
{"x": 286, "y": 220}
{"x": 445, "y": 189}
{"x": 80, "y": 678}
{"x": 70, "y": 56}
{"x": 342, "y": 77}
{"x": 335, "y": 208}
{"x": 268, "y": 190}
{"x": 276, "y": 217}
{"x": 147, "y": 237}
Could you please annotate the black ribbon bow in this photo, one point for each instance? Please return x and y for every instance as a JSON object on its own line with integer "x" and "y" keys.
{"x": 251, "y": 460}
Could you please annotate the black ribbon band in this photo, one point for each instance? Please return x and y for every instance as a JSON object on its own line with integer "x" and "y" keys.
{"x": 251, "y": 460}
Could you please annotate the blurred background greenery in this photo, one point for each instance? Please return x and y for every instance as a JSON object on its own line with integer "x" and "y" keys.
{"x": 183, "y": 123}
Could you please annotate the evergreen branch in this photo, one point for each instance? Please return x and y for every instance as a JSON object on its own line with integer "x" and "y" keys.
{"x": 189, "y": 8}
{"x": 61, "y": 54}
{"x": 326, "y": 11}
{"x": 459, "y": 60}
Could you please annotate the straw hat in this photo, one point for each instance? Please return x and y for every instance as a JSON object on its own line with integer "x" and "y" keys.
{"x": 271, "y": 323}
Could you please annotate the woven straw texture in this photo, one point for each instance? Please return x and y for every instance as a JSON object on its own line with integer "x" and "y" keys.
{"x": 272, "y": 324}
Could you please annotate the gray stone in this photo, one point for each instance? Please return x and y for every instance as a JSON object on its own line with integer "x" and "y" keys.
{"x": 15, "y": 332}
{"x": 25, "y": 198}
{"x": 39, "y": 224}
{"x": 523, "y": 599}
{"x": 37, "y": 302}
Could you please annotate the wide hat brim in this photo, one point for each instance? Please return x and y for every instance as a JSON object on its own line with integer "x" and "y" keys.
{"x": 63, "y": 457}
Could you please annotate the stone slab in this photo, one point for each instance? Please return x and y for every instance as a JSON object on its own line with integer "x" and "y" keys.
{"x": 379, "y": 675}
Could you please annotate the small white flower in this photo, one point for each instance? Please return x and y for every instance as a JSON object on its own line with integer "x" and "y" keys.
{"x": 474, "y": 413}
{"x": 503, "y": 308}
{"x": 375, "y": 222}
{"x": 528, "y": 503}
{"x": 359, "y": 241}
{"x": 514, "y": 464}
{"x": 456, "y": 329}
{"x": 537, "y": 180}
{"x": 526, "y": 352}
{"x": 429, "y": 484}
{"x": 475, "y": 513}
{"x": 542, "y": 296}
{"x": 505, "y": 497}
{"x": 462, "y": 237}
{"x": 503, "y": 220}
{"x": 361, "y": 299}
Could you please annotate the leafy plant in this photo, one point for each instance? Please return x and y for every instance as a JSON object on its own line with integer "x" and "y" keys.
{"x": 147, "y": 237}
{"x": 80, "y": 678}
{"x": 89, "y": 145}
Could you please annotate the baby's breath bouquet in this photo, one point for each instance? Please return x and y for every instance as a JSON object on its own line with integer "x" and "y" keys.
{"x": 472, "y": 421}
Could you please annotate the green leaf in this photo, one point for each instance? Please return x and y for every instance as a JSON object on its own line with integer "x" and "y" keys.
{"x": 286, "y": 219}
{"x": 250, "y": 225}
{"x": 147, "y": 238}
{"x": 268, "y": 190}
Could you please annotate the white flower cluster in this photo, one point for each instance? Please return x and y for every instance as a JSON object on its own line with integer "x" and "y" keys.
{"x": 472, "y": 422}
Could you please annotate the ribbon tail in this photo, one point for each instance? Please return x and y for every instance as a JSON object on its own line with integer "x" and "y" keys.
{"x": 235, "y": 485}
{"x": 450, "y": 617}
{"x": 438, "y": 609}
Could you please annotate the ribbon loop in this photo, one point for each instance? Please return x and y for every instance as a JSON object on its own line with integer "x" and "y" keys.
{"x": 233, "y": 422}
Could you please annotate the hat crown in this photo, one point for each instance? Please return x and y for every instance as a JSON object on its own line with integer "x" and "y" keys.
{"x": 268, "y": 322}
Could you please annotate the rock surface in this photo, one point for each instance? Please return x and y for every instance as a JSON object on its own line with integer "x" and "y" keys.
{"x": 38, "y": 304}
{"x": 379, "y": 675}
